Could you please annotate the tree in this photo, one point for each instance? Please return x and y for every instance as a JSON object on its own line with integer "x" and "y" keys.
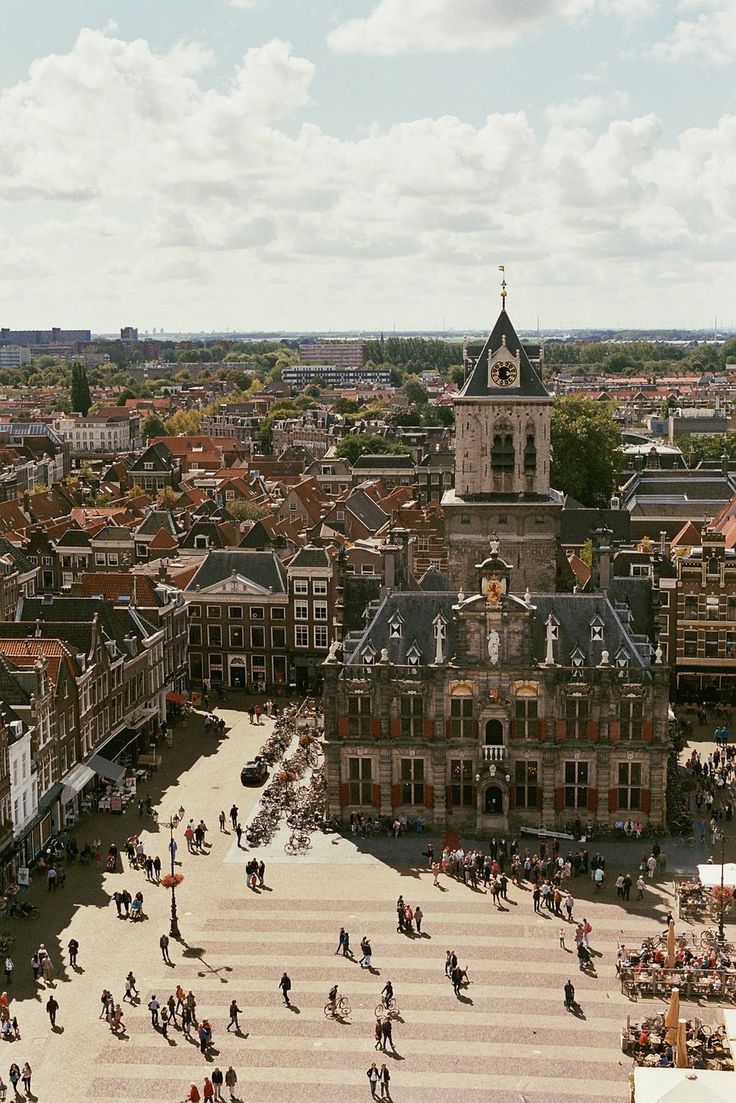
{"x": 166, "y": 496}
{"x": 710, "y": 447}
{"x": 243, "y": 510}
{"x": 153, "y": 426}
{"x": 585, "y": 456}
{"x": 415, "y": 391}
{"x": 80, "y": 397}
{"x": 369, "y": 444}
{"x": 183, "y": 421}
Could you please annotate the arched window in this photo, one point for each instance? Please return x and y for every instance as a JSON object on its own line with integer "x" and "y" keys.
{"x": 494, "y": 733}
{"x": 502, "y": 454}
{"x": 530, "y": 456}
{"x": 493, "y": 803}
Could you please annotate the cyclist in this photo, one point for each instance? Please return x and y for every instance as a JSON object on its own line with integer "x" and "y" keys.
{"x": 332, "y": 999}
{"x": 387, "y": 994}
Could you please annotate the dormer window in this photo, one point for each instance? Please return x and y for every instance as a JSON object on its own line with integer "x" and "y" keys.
{"x": 413, "y": 655}
{"x": 714, "y": 566}
{"x": 369, "y": 655}
{"x": 577, "y": 658}
{"x": 554, "y": 629}
{"x": 596, "y": 629}
{"x": 394, "y": 627}
{"x": 622, "y": 658}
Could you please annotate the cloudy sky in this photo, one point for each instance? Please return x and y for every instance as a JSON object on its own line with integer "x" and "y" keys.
{"x": 339, "y": 164}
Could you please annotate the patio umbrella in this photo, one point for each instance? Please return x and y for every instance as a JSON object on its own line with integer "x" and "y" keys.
{"x": 672, "y": 1016}
{"x": 681, "y": 1061}
{"x": 669, "y": 961}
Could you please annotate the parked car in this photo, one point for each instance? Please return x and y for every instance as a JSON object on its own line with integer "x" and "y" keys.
{"x": 254, "y": 772}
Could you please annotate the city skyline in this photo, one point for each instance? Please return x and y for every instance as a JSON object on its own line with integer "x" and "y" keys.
{"x": 368, "y": 165}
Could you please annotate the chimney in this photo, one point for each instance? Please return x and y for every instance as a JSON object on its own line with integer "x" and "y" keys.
{"x": 664, "y": 545}
{"x": 724, "y": 464}
{"x": 602, "y": 561}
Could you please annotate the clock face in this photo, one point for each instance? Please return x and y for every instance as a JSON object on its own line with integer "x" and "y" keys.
{"x": 503, "y": 373}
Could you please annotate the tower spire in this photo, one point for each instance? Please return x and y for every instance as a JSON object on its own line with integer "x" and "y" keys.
{"x": 504, "y": 292}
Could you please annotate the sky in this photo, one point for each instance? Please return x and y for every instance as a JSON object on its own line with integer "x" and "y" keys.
{"x": 337, "y": 165}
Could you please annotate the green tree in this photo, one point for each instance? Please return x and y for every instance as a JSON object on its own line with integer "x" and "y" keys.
{"x": 369, "y": 444}
{"x": 243, "y": 510}
{"x": 80, "y": 397}
{"x": 183, "y": 421}
{"x": 153, "y": 426}
{"x": 710, "y": 447}
{"x": 585, "y": 456}
{"x": 415, "y": 391}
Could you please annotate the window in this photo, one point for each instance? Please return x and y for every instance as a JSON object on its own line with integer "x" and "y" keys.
{"x": 195, "y": 611}
{"x": 690, "y": 645}
{"x": 319, "y": 610}
{"x": 394, "y": 629}
{"x": 112, "y": 559}
{"x": 714, "y": 566}
{"x": 319, "y": 587}
{"x": 711, "y": 645}
{"x": 576, "y": 785}
{"x": 195, "y": 635}
{"x": 257, "y": 636}
{"x": 527, "y": 785}
{"x": 412, "y": 716}
{"x": 629, "y": 786}
{"x": 464, "y": 519}
{"x": 711, "y": 608}
{"x": 100, "y": 559}
{"x": 257, "y": 612}
{"x": 525, "y": 716}
{"x": 461, "y": 782}
{"x": 320, "y": 636}
{"x": 502, "y": 454}
{"x": 596, "y": 633}
{"x": 214, "y": 612}
{"x": 47, "y": 561}
{"x": 576, "y": 717}
{"x": 148, "y": 467}
{"x": 530, "y": 456}
{"x": 278, "y": 637}
{"x": 731, "y": 645}
{"x": 141, "y": 551}
{"x": 301, "y": 610}
{"x": 278, "y": 613}
{"x": 461, "y": 717}
{"x": 235, "y": 612}
{"x": 360, "y": 781}
{"x": 236, "y": 636}
{"x": 423, "y": 543}
{"x": 412, "y": 781}
{"x": 630, "y": 717}
{"x": 301, "y": 635}
{"x": 359, "y": 716}
{"x": 691, "y": 608}
{"x": 214, "y": 635}
{"x": 301, "y": 586}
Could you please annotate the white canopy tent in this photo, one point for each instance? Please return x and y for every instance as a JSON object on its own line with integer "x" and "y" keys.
{"x": 683, "y": 1086}
{"x": 710, "y": 875}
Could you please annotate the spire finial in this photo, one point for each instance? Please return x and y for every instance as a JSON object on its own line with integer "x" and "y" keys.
{"x": 504, "y": 292}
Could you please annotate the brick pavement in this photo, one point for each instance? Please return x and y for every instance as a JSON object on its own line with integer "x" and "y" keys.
{"x": 508, "y": 1039}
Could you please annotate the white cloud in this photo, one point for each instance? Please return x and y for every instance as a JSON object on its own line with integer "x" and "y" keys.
{"x": 397, "y": 26}
{"x": 709, "y": 37}
{"x": 171, "y": 201}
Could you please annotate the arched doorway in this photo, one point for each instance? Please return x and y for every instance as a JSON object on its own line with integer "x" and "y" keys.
{"x": 493, "y": 801}
{"x": 494, "y": 733}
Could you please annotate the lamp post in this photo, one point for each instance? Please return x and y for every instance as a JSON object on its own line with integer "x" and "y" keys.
{"x": 722, "y": 899}
{"x": 174, "y": 928}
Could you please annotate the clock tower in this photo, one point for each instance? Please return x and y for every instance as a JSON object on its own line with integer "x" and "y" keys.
{"x": 502, "y": 459}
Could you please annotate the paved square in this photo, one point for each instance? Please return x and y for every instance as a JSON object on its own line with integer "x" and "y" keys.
{"x": 507, "y": 1039}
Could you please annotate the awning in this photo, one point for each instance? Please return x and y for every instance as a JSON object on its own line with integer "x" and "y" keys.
{"x": 176, "y": 698}
{"x": 710, "y": 875}
{"x": 75, "y": 781}
{"x": 49, "y": 798}
{"x": 118, "y": 743}
{"x": 653, "y": 1085}
{"x": 113, "y": 771}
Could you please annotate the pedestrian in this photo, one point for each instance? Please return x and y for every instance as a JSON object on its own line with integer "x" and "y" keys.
{"x": 181, "y": 997}
{"x": 192, "y": 1005}
{"x": 238, "y": 832}
{"x": 51, "y": 1008}
{"x": 384, "y": 1078}
{"x": 186, "y": 1021}
{"x": 217, "y": 1082}
{"x": 130, "y": 988}
{"x": 261, "y": 872}
{"x": 562, "y": 938}
{"x": 193, "y": 1096}
{"x": 387, "y": 1034}
{"x": 378, "y": 1034}
{"x": 51, "y": 879}
{"x": 652, "y": 865}
{"x": 536, "y": 897}
{"x": 14, "y": 1076}
{"x": 125, "y": 899}
{"x": 418, "y": 917}
{"x": 202, "y": 1035}
{"x": 435, "y": 874}
{"x": 627, "y": 886}
{"x": 35, "y": 965}
{"x": 8, "y": 969}
{"x": 171, "y": 1004}
{"x": 620, "y": 885}
{"x": 165, "y": 1021}
{"x": 251, "y": 713}
{"x": 118, "y": 898}
{"x": 47, "y": 969}
{"x": 234, "y": 1012}
{"x": 285, "y": 986}
{"x": 569, "y": 996}
{"x": 26, "y": 1076}
{"x": 569, "y": 905}
{"x": 222, "y": 818}
{"x": 189, "y": 836}
{"x": 365, "y": 946}
{"x": 456, "y": 977}
{"x": 172, "y": 850}
{"x": 153, "y": 1006}
{"x": 149, "y": 868}
{"x": 73, "y": 948}
{"x": 640, "y": 887}
{"x": 231, "y": 1080}
{"x": 373, "y": 1075}
{"x": 234, "y": 815}
{"x": 208, "y": 1091}
{"x": 157, "y": 867}
{"x": 164, "y": 944}
{"x": 343, "y": 942}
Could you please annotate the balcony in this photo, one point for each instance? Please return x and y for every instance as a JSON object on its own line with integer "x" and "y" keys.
{"x": 493, "y": 753}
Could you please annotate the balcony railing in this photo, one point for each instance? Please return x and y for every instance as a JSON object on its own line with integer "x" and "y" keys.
{"x": 493, "y": 753}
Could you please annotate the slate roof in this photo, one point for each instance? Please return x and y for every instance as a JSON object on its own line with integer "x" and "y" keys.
{"x": 397, "y": 461}
{"x": 74, "y": 538}
{"x": 577, "y": 525}
{"x": 117, "y": 624}
{"x": 22, "y": 562}
{"x": 432, "y": 579}
{"x": 417, "y": 612}
{"x": 12, "y": 689}
{"x": 155, "y": 520}
{"x": 530, "y": 385}
{"x": 310, "y": 556}
{"x": 262, "y": 568}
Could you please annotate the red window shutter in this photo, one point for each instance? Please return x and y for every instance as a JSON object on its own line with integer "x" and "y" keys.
{"x": 646, "y": 732}
{"x": 512, "y": 797}
{"x": 376, "y": 727}
{"x": 344, "y": 794}
{"x": 343, "y": 727}
{"x": 542, "y": 730}
{"x": 560, "y": 730}
{"x": 612, "y": 799}
{"x": 593, "y": 731}
{"x": 592, "y": 800}
{"x": 475, "y": 729}
{"x": 474, "y": 796}
{"x": 395, "y": 796}
{"x": 559, "y": 799}
{"x": 448, "y": 798}
{"x": 448, "y": 728}
{"x": 614, "y": 730}
{"x": 646, "y": 801}
{"x": 376, "y": 802}
{"x": 428, "y": 796}
{"x": 512, "y": 729}
{"x": 396, "y": 727}
{"x": 428, "y": 729}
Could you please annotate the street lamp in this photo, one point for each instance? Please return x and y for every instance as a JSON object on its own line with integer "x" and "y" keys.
{"x": 173, "y": 880}
{"x": 722, "y": 894}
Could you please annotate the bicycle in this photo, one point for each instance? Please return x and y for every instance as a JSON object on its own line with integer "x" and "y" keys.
{"x": 298, "y": 844}
{"x": 339, "y": 1010}
{"x": 390, "y": 1008}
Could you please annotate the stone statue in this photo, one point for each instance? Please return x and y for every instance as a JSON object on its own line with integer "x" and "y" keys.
{"x": 494, "y": 643}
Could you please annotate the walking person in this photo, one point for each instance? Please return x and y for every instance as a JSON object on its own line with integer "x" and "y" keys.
{"x": 35, "y": 965}
{"x": 208, "y": 1090}
{"x": 365, "y": 946}
{"x": 234, "y": 1012}
{"x": 373, "y": 1075}
{"x": 217, "y": 1082}
{"x": 26, "y": 1077}
{"x": 418, "y": 917}
{"x": 569, "y": 996}
{"x": 231, "y": 1080}
{"x": 640, "y": 887}
{"x": 222, "y": 818}
{"x": 238, "y": 833}
{"x": 285, "y": 986}
{"x": 153, "y": 1007}
{"x": 130, "y": 988}
{"x": 234, "y": 815}
{"x": 14, "y": 1076}
{"x": 387, "y": 1034}
{"x": 384, "y": 1079}
{"x": 157, "y": 868}
{"x": 164, "y": 944}
{"x": 51, "y": 1008}
{"x": 73, "y": 949}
